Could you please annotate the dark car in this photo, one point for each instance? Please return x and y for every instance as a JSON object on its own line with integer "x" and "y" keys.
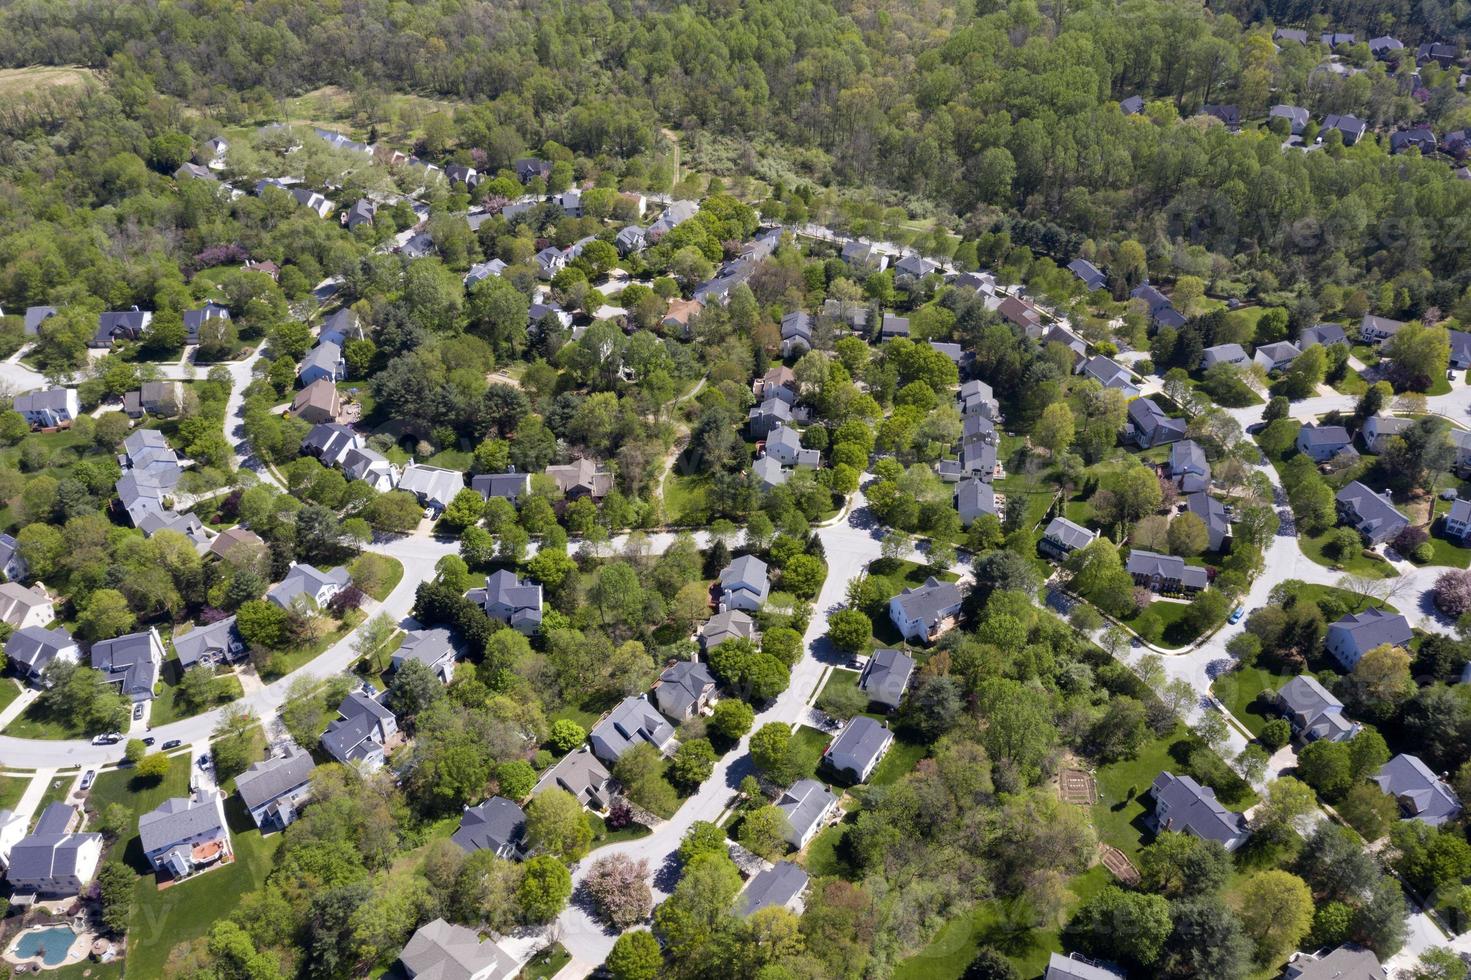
{"x": 172, "y": 743}
{"x": 148, "y": 740}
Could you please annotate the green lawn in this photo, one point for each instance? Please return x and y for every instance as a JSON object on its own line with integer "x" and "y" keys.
{"x": 9, "y": 690}
{"x": 1354, "y": 603}
{"x": 389, "y": 581}
{"x": 893, "y": 577}
{"x": 12, "y": 788}
{"x": 685, "y": 495}
{"x": 286, "y": 661}
{"x": 1005, "y": 925}
{"x": 841, "y": 678}
{"x": 167, "y": 707}
{"x": 1357, "y": 564}
{"x": 1447, "y": 551}
{"x": 545, "y": 964}
{"x": 452, "y": 459}
{"x": 826, "y": 857}
{"x": 807, "y": 747}
{"x": 1172, "y": 629}
{"x": 601, "y": 835}
{"x": 901, "y": 758}
{"x": 138, "y": 796}
{"x": 1238, "y": 691}
{"x": 57, "y": 791}
{"x": 37, "y": 723}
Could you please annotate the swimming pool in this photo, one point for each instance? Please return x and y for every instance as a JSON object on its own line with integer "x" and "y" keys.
{"x": 50, "y": 944}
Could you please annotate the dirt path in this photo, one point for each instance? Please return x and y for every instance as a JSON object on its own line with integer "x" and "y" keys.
{"x": 680, "y": 441}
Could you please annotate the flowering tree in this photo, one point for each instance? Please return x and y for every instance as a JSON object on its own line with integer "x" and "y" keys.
{"x": 619, "y": 887}
{"x": 1452, "y": 592}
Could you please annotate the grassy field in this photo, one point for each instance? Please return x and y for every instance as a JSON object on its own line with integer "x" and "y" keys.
{"x": 1447, "y": 551}
{"x": 1173, "y": 631}
{"x": 287, "y": 661}
{"x": 684, "y": 495}
{"x": 9, "y": 690}
{"x": 15, "y": 82}
{"x": 389, "y": 582}
{"x": 807, "y": 746}
{"x": 167, "y": 707}
{"x": 35, "y": 723}
{"x": 826, "y": 856}
{"x": 12, "y": 788}
{"x": 901, "y": 759}
{"x": 545, "y": 964}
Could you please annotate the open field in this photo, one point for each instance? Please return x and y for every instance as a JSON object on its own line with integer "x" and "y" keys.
{"x": 15, "y": 82}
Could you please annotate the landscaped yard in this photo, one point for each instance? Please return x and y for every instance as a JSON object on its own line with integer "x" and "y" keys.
{"x": 1447, "y": 551}
{"x": 891, "y": 578}
{"x": 602, "y": 836}
{"x": 286, "y": 661}
{"x": 9, "y": 690}
{"x": 1173, "y": 630}
{"x": 684, "y": 495}
{"x": 1313, "y": 546}
{"x": 1238, "y": 691}
{"x": 901, "y": 758}
{"x": 807, "y": 747}
{"x": 12, "y": 788}
{"x": 547, "y": 963}
{"x": 56, "y": 791}
{"x": 34, "y": 722}
{"x": 825, "y": 857}
{"x": 167, "y": 706}
{"x": 1005, "y": 925}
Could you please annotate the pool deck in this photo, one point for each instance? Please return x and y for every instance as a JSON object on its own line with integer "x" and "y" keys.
{"x": 77, "y": 952}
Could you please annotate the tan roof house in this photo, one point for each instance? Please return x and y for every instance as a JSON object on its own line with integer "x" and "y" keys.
{"x": 317, "y": 402}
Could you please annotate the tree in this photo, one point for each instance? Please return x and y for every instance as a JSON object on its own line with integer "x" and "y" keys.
{"x": 1188, "y": 536}
{"x": 1439, "y": 963}
{"x": 1452, "y": 592}
{"x": 1419, "y": 355}
{"x": 135, "y": 750}
{"x": 464, "y": 510}
{"x": 803, "y": 576}
{"x": 703, "y": 837}
{"x": 1054, "y": 430}
{"x": 641, "y": 771}
{"x": 106, "y": 615}
{"x": 261, "y": 624}
{"x": 1276, "y": 911}
{"x": 619, "y": 887}
{"x": 115, "y": 882}
{"x": 635, "y": 956}
{"x": 556, "y": 825}
{"x": 771, "y": 751}
{"x": 1325, "y": 766}
{"x": 1120, "y": 925}
{"x": 693, "y": 763}
{"x": 515, "y": 779}
{"x": 153, "y": 767}
{"x": 544, "y": 889}
{"x": 990, "y": 965}
{"x": 1275, "y": 734}
{"x": 1205, "y": 941}
{"x": 731, "y": 719}
{"x": 567, "y": 734}
{"x": 414, "y": 690}
{"x": 849, "y": 630}
{"x": 763, "y": 832}
{"x": 1183, "y": 865}
{"x": 1287, "y": 801}
{"x": 932, "y": 707}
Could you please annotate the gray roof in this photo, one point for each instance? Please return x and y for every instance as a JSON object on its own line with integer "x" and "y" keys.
{"x": 1318, "y": 713}
{"x": 1323, "y": 333}
{"x": 428, "y": 647}
{"x": 268, "y": 780}
{"x": 1290, "y": 34}
{"x": 1281, "y": 351}
{"x": 41, "y": 400}
{"x": 974, "y": 497}
{"x": 1344, "y": 963}
{"x": 682, "y": 685}
{"x": 769, "y": 472}
{"x": 36, "y": 646}
{"x": 359, "y": 463}
{"x": 361, "y": 715}
{"x": 130, "y": 660}
{"x": 203, "y": 641}
{"x": 1212, "y": 514}
{"x": 1090, "y": 275}
{"x": 1319, "y": 436}
{"x": 1373, "y": 514}
{"x": 631, "y": 721}
{"x": 178, "y": 819}
{"x": 1222, "y": 354}
{"x": 441, "y": 951}
{"x": 1107, "y": 372}
{"x": 1421, "y": 793}
{"x": 495, "y": 825}
{"x": 48, "y": 852}
{"x": 581, "y": 774}
{"x": 806, "y": 803}
{"x": 886, "y": 675}
{"x": 306, "y": 580}
{"x": 194, "y": 320}
{"x": 1068, "y": 534}
{"x": 326, "y": 355}
{"x": 727, "y": 625}
{"x": 929, "y": 602}
{"x": 1188, "y": 466}
{"x": 773, "y": 888}
{"x": 330, "y": 439}
{"x": 1133, "y": 105}
{"x": 1148, "y": 418}
{"x": 1167, "y": 567}
{"x": 1193, "y": 808}
{"x": 35, "y": 316}
{"x": 746, "y": 574}
{"x": 894, "y": 326}
{"x": 1296, "y": 116}
{"x": 860, "y": 742}
{"x": 431, "y": 484}
{"x": 509, "y": 598}
{"x": 1374, "y": 627}
{"x": 1075, "y": 967}
{"x": 1151, "y": 296}
{"x": 507, "y": 485}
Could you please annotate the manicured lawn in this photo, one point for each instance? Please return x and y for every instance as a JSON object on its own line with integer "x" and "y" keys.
{"x": 601, "y": 835}
{"x": 840, "y": 679}
{"x": 138, "y": 796}
{"x": 826, "y": 856}
{"x": 1173, "y": 630}
{"x": 12, "y": 788}
{"x": 547, "y": 963}
{"x": 164, "y": 919}
{"x": 1238, "y": 691}
{"x": 1447, "y": 551}
{"x": 286, "y": 661}
{"x": 1319, "y": 593}
{"x": 893, "y": 577}
{"x": 1313, "y": 546}
{"x": 1005, "y": 925}
{"x": 452, "y": 459}
{"x": 389, "y": 581}
{"x": 901, "y": 758}
{"x": 807, "y": 747}
{"x": 36, "y": 723}
{"x": 57, "y": 791}
{"x": 9, "y": 690}
{"x": 167, "y": 707}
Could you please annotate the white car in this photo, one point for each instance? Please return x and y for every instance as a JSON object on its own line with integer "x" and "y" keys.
{"x": 111, "y": 739}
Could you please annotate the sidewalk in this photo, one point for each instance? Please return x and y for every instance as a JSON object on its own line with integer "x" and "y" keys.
{"x": 13, "y": 709}
{"x": 31, "y": 798}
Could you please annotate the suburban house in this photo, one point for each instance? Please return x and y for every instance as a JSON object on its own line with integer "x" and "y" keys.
{"x": 1326, "y": 334}
{"x": 1296, "y": 116}
{"x": 1335, "y": 39}
{"x": 977, "y": 398}
{"x": 434, "y": 486}
{"x": 1275, "y": 357}
{"x": 1377, "y": 329}
{"x": 1443, "y": 54}
{"x": 1229, "y": 115}
{"x": 892, "y": 326}
{"x": 1420, "y": 793}
{"x": 372, "y": 467}
{"x": 1076, "y": 966}
{"x": 162, "y": 398}
{"x": 1352, "y": 128}
{"x": 676, "y": 214}
{"x": 681, "y": 311}
{"x": 858, "y": 748}
{"x": 497, "y": 825}
{"x": 1355, "y": 634}
{"x": 440, "y": 950}
{"x": 807, "y": 805}
{"x": 869, "y": 256}
{"x": 434, "y": 649}
{"x": 728, "y": 624}
{"x": 549, "y": 261}
{"x": 193, "y": 171}
{"x": 340, "y": 327}
{"x": 1313, "y": 712}
{"x": 581, "y": 774}
{"x": 1088, "y": 274}
{"x": 925, "y": 613}
{"x": 309, "y": 583}
{"x": 629, "y": 240}
{"x": 785, "y": 446}
{"x": 361, "y": 213}
{"x": 1379, "y": 428}
{"x": 29, "y": 650}
{"x": 1458, "y": 519}
{"x": 1460, "y": 349}
{"x": 48, "y": 408}
{"x": 195, "y": 320}
{"x": 1023, "y": 314}
{"x": 115, "y": 325}
{"x": 1062, "y": 537}
{"x": 684, "y": 689}
{"x": 1150, "y": 426}
{"x": 1181, "y": 804}
{"x": 766, "y": 417}
{"x": 1165, "y": 573}
{"x": 1212, "y": 514}
{"x": 581, "y": 478}
{"x": 1461, "y": 439}
{"x": 1321, "y": 443}
{"x": 131, "y": 662}
{"x": 530, "y": 168}
{"x": 1222, "y": 354}
{"x": 21, "y": 607}
{"x": 481, "y": 271}
{"x": 1347, "y": 962}
{"x": 330, "y": 442}
{"x": 12, "y": 564}
{"x": 769, "y": 473}
{"x": 184, "y": 835}
{"x": 274, "y": 790}
{"x": 509, "y": 486}
{"x": 55, "y": 859}
{"x": 510, "y": 600}
{"x": 1371, "y": 514}
{"x": 780, "y": 886}
{"x": 744, "y": 584}
{"x": 1132, "y": 106}
{"x": 631, "y": 721}
{"x": 35, "y": 316}
{"x": 211, "y": 645}
{"x": 1110, "y": 375}
{"x": 886, "y": 676}
{"x": 362, "y": 729}
{"x": 974, "y": 497}
{"x": 317, "y": 402}
{"x": 779, "y": 382}
{"x": 1418, "y": 138}
{"x": 1188, "y": 467}
{"x": 324, "y": 361}
{"x": 796, "y": 334}
{"x": 915, "y": 267}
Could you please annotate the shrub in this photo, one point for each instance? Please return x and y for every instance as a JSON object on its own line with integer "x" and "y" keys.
{"x": 566, "y": 735}
{"x": 1452, "y": 592}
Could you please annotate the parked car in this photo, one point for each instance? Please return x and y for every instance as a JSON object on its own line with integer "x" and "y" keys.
{"x": 1236, "y": 615}
{"x": 148, "y": 740}
{"x": 204, "y": 761}
{"x": 108, "y": 739}
{"x": 172, "y": 743}
{"x": 87, "y": 778}
{"x": 138, "y": 711}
